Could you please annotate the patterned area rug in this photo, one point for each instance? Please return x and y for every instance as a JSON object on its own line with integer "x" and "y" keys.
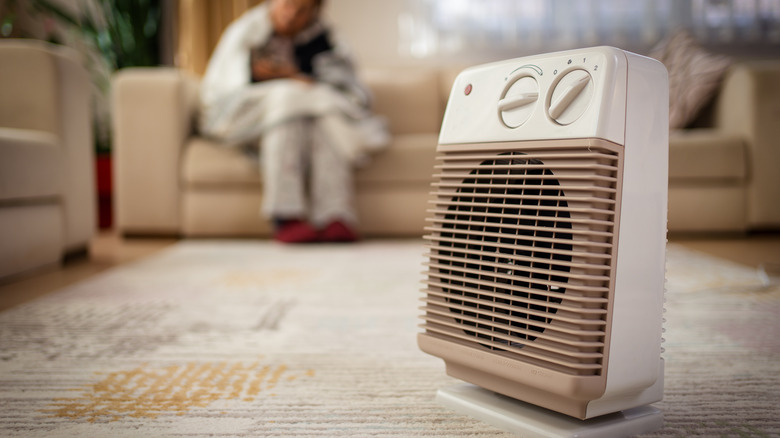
{"x": 250, "y": 338}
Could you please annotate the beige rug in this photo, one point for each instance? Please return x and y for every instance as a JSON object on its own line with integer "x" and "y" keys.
{"x": 250, "y": 338}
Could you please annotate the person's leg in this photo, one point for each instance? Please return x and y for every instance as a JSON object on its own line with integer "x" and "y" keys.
{"x": 283, "y": 157}
{"x": 331, "y": 183}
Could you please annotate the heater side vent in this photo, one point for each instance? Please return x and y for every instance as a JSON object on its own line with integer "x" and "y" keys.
{"x": 521, "y": 251}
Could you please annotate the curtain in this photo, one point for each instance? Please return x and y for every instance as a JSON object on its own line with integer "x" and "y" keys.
{"x": 200, "y": 24}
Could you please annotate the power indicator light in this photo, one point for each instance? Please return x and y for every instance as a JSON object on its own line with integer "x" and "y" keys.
{"x": 467, "y": 90}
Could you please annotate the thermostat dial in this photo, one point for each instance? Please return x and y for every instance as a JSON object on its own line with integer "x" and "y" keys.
{"x": 570, "y": 96}
{"x": 518, "y": 101}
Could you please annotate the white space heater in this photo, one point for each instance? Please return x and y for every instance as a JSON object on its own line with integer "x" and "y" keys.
{"x": 547, "y": 231}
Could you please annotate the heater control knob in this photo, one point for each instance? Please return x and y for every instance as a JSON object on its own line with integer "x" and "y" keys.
{"x": 570, "y": 96}
{"x": 518, "y": 101}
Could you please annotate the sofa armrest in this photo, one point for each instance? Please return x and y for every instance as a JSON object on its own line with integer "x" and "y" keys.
{"x": 749, "y": 106}
{"x": 28, "y": 86}
{"x": 153, "y": 111}
{"x": 75, "y": 110}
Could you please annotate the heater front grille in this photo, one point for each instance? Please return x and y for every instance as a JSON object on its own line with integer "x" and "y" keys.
{"x": 521, "y": 252}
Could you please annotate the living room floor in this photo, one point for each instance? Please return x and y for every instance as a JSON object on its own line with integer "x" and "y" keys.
{"x": 108, "y": 250}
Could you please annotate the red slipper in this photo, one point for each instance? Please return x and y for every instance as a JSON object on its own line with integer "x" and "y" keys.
{"x": 338, "y": 231}
{"x": 296, "y": 231}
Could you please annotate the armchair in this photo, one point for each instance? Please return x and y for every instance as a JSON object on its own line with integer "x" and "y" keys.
{"x": 47, "y": 196}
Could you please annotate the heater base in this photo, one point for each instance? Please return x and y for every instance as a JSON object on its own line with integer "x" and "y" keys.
{"x": 531, "y": 421}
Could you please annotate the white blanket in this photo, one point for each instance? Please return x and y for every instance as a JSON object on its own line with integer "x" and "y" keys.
{"x": 236, "y": 111}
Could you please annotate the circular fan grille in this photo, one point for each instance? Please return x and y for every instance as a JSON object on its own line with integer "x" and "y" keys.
{"x": 516, "y": 232}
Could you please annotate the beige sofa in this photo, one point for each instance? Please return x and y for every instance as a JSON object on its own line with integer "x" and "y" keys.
{"x": 47, "y": 195}
{"x": 723, "y": 177}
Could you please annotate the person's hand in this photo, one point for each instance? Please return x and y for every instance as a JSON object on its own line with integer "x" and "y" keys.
{"x": 306, "y": 79}
{"x": 264, "y": 69}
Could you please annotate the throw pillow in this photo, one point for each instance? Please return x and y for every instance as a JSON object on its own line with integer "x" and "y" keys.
{"x": 694, "y": 76}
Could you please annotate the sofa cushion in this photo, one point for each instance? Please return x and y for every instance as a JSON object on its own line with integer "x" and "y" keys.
{"x": 31, "y": 165}
{"x": 395, "y": 211}
{"x": 706, "y": 154}
{"x": 206, "y": 162}
{"x": 234, "y": 212}
{"x": 410, "y": 100}
{"x": 408, "y": 159}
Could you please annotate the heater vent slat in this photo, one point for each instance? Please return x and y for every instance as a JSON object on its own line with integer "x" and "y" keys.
{"x": 491, "y": 251}
{"x": 528, "y": 167}
{"x": 455, "y": 283}
{"x": 565, "y": 177}
{"x": 465, "y": 225}
{"x": 560, "y": 350}
{"x": 535, "y": 156}
{"x": 475, "y": 206}
{"x": 485, "y": 197}
{"x": 566, "y": 364}
{"x": 455, "y": 242}
{"x": 508, "y": 267}
{"x": 521, "y": 251}
{"x": 582, "y": 316}
{"x": 506, "y": 278}
{"x": 568, "y": 188}
{"x": 521, "y": 217}
{"x": 505, "y": 327}
{"x": 468, "y": 274}
{"x": 487, "y": 237}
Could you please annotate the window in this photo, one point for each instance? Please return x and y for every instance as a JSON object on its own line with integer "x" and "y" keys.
{"x": 495, "y": 28}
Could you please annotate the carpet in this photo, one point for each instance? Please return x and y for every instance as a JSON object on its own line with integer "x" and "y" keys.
{"x": 231, "y": 338}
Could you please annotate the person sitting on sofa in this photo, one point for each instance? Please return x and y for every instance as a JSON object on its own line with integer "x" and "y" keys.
{"x": 278, "y": 75}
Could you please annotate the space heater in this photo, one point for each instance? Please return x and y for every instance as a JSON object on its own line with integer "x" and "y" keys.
{"x": 546, "y": 234}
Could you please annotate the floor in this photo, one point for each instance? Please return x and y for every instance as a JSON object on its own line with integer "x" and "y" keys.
{"x": 752, "y": 250}
{"x": 106, "y": 250}
{"x": 759, "y": 250}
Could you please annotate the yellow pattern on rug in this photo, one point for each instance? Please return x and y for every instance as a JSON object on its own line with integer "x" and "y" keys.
{"x": 143, "y": 392}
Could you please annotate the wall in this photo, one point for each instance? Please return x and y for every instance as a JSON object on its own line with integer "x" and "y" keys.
{"x": 370, "y": 28}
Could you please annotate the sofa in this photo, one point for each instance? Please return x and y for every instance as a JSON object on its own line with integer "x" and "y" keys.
{"x": 169, "y": 180}
{"x": 723, "y": 170}
{"x": 47, "y": 194}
